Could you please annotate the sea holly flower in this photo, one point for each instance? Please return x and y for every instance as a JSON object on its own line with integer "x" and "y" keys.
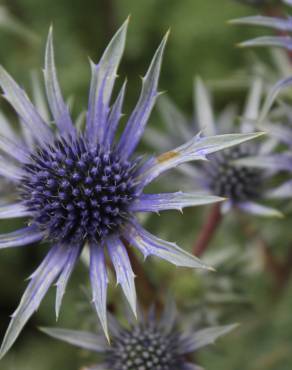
{"x": 244, "y": 187}
{"x": 81, "y": 188}
{"x": 283, "y": 25}
{"x": 148, "y": 344}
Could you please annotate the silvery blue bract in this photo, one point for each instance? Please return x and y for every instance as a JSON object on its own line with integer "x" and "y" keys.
{"x": 283, "y": 25}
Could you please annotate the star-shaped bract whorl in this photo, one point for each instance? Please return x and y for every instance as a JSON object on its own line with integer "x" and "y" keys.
{"x": 226, "y": 173}
{"x": 149, "y": 344}
{"x": 80, "y": 188}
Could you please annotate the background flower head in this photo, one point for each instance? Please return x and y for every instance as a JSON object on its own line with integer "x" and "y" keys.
{"x": 222, "y": 175}
{"x": 148, "y": 344}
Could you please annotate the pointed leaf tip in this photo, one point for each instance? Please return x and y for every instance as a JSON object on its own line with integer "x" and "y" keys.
{"x": 41, "y": 281}
{"x": 99, "y": 283}
{"x": 139, "y": 117}
{"x": 124, "y": 26}
{"x": 102, "y": 84}
{"x": 260, "y": 210}
{"x": 279, "y": 214}
{"x": 203, "y": 108}
{"x": 209, "y": 335}
{"x": 81, "y": 339}
{"x": 56, "y": 101}
{"x": 260, "y": 133}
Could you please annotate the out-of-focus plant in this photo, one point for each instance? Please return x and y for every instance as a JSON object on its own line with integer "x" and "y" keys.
{"x": 12, "y": 24}
{"x": 148, "y": 344}
{"x": 281, "y": 23}
{"x": 259, "y": 3}
{"x": 276, "y": 122}
{"x": 244, "y": 188}
{"x": 221, "y": 292}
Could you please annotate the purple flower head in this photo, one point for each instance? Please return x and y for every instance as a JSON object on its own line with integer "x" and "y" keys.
{"x": 237, "y": 183}
{"x": 225, "y": 173}
{"x": 148, "y": 344}
{"x": 77, "y": 192}
{"x": 283, "y": 26}
{"x": 82, "y": 189}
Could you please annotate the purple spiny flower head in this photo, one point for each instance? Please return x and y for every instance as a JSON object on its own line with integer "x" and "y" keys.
{"x": 224, "y": 174}
{"x": 76, "y": 192}
{"x": 237, "y": 183}
{"x": 283, "y": 26}
{"x": 146, "y": 347}
{"x": 82, "y": 189}
{"x": 149, "y": 344}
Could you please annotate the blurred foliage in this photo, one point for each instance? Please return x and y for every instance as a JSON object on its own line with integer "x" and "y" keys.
{"x": 201, "y": 43}
{"x": 260, "y": 3}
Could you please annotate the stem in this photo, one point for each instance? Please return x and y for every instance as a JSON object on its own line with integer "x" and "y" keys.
{"x": 208, "y": 231}
{"x": 280, "y": 270}
{"x": 272, "y": 265}
{"x": 288, "y": 265}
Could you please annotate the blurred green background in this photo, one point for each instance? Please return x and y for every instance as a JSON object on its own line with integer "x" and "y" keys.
{"x": 201, "y": 43}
